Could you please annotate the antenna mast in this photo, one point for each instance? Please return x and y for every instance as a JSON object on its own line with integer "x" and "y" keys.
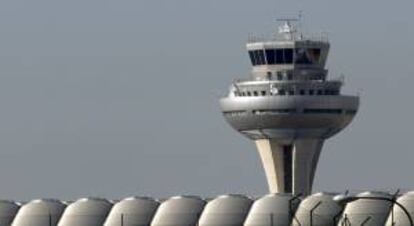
{"x": 287, "y": 29}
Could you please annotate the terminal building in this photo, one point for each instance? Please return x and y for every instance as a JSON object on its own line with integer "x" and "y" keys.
{"x": 320, "y": 209}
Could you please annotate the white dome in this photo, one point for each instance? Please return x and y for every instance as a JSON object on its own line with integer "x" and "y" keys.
{"x": 86, "y": 212}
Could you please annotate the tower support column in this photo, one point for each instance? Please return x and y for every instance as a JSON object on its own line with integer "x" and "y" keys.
{"x": 290, "y": 166}
{"x": 271, "y": 154}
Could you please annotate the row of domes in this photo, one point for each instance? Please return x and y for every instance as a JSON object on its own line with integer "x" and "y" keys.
{"x": 226, "y": 210}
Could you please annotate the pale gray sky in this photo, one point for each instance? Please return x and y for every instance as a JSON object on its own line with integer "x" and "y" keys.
{"x": 118, "y": 98}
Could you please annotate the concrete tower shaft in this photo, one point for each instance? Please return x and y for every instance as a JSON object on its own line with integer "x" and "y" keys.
{"x": 289, "y": 108}
{"x": 289, "y": 167}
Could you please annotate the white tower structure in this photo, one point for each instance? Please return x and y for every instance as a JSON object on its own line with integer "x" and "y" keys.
{"x": 289, "y": 107}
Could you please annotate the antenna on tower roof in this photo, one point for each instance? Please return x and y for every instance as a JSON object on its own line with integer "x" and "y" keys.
{"x": 287, "y": 19}
{"x": 288, "y": 30}
{"x": 291, "y": 19}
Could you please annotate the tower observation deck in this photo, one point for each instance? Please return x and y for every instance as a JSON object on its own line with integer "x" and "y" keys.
{"x": 289, "y": 107}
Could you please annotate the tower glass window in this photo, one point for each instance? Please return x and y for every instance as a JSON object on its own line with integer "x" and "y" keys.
{"x": 284, "y": 56}
{"x": 320, "y": 92}
{"x": 279, "y": 56}
{"x": 271, "y": 56}
{"x": 288, "y": 56}
{"x": 289, "y": 76}
{"x": 252, "y": 58}
{"x": 279, "y": 76}
{"x": 269, "y": 75}
{"x": 257, "y": 57}
{"x": 307, "y": 55}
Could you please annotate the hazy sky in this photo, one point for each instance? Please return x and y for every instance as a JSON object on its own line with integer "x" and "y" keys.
{"x": 119, "y": 98}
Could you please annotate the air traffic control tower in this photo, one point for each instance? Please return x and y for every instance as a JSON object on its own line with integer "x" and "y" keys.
{"x": 288, "y": 107}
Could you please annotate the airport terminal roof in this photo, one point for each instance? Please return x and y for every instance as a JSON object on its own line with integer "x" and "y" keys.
{"x": 224, "y": 210}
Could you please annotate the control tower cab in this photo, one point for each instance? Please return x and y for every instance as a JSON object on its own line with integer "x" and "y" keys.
{"x": 289, "y": 107}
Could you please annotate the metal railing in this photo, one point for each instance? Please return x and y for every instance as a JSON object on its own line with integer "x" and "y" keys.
{"x": 319, "y": 37}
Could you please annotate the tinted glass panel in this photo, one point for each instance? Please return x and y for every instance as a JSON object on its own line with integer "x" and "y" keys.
{"x": 279, "y": 56}
{"x": 256, "y": 57}
{"x": 283, "y": 56}
{"x": 307, "y": 56}
{"x": 252, "y": 59}
{"x": 279, "y": 76}
{"x": 259, "y": 54}
{"x": 301, "y": 57}
{"x": 322, "y": 111}
{"x": 271, "y": 56}
{"x": 314, "y": 55}
{"x": 288, "y": 56}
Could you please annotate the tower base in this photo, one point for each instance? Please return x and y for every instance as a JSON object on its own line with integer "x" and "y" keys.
{"x": 290, "y": 165}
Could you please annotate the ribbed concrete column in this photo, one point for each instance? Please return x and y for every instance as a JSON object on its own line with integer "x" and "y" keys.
{"x": 305, "y": 161}
{"x": 289, "y": 168}
{"x": 271, "y": 154}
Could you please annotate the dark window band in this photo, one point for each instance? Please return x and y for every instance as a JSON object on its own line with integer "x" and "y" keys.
{"x": 322, "y": 111}
{"x": 285, "y": 56}
{"x": 275, "y": 111}
{"x": 234, "y": 113}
